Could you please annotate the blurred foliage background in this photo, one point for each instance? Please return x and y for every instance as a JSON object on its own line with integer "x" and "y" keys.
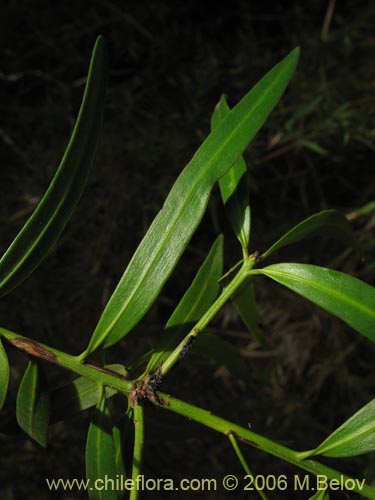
{"x": 169, "y": 64}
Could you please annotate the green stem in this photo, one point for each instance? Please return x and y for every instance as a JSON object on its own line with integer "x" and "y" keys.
{"x": 243, "y": 462}
{"x": 138, "y": 449}
{"x": 67, "y": 361}
{"x": 267, "y": 445}
{"x": 225, "y": 295}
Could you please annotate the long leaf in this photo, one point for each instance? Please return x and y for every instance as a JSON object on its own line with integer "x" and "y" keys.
{"x": 184, "y": 207}
{"x": 195, "y": 302}
{"x": 79, "y": 395}
{"x": 32, "y": 407}
{"x": 327, "y": 222}
{"x": 348, "y": 298}
{"x": 320, "y": 495}
{"x": 245, "y": 303}
{"x": 233, "y": 186}
{"x": 45, "y": 225}
{"x": 220, "y": 352}
{"x": 4, "y": 374}
{"x": 100, "y": 452}
{"x": 356, "y": 436}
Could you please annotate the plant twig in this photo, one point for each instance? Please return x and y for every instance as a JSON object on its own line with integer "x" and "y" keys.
{"x": 67, "y": 361}
{"x": 243, "y": 462}
{"x": 262, "y": 443}
{"x": 138, "y": 449}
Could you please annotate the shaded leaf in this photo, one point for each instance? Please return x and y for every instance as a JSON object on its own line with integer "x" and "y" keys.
{"x": 100, "y": 451}
{"x": 4, "y": 374}
{"x": 348, "y": 298}
{"x": 245, "y": 303}
{"x": 195, "y": 302}
{"x": 220, "y": 352}
{"x": 327, "y": 222}
{"x": 313, "y": 146}
{"x": 356, "y": 436}
{"x": 79, "y": 395}
{"x": 171, "y": 230}
{"x": 32, "y": 407}
{"x": 45, "y": 225}
{"x": 233, "y": 186}
{"x": 122, "y": 435}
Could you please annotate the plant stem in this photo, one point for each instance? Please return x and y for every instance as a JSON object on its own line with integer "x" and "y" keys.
{"x": 225, "y": 295}
{"x": 243, "y": 462}
{"x": 67, "y": 361}
{"x": 138, "y": 449}
{"x": 267, "y": 445}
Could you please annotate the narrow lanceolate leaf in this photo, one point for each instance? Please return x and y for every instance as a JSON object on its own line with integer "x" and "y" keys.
{"x": 233, "y": 186}
{"x": 47, "y": 222}
{"x": 100, "y": 452}
{"x": 79, "y": 395}
{"x": 325, "y": 223}
{"x": 184, "y": 207}
{"x": 245, "y": 303}
{"x": 220, "y": 352}
{"x": 4, "y": 374}
{"x": 320, "y": 495}
{"x": 356, "y": 436}
{"x": 32, "y": 406}
{"x": 348, "y": 298}
{"x": 197, "y": 299}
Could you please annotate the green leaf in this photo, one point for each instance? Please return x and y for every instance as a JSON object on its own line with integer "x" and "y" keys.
{"x": 245, "y": 303}
{"x": 170, "y": 232}
{"x": 233, "y": 186}
{"x": 327, "y": 222}
{"x": 356, "y": 436}
{"x": 32, "y": 407}
{"x": 100, "y": 451}
{"x": 348, "y": 298}
{"x": 79, "y": 395}
{"x": 4, "y": 374}
{"x": 195, "y": 302}
{"x": 220, "y": 352}
{"x": 313, "y": 146}
{"x": 45, "y": 225}
{"x": 320, "y": 495}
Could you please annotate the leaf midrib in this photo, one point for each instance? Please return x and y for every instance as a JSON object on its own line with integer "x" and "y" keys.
{"x": 187, "y": 199}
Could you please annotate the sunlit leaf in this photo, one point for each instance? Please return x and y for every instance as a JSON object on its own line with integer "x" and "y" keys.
{"x": 197, "y": 299}
{"x": 348, "y": 298}
{"x": 45, "y": 225}
{"x": 33, "y": 403}
{"x": 233, "y": 186}
{"x": 325, "y": 223}
{"x": 4, "y": 374}
{"x": 320, "y": 495}
{"x": 170, "y": 232}
{"x": 356, "y": 436}
{"x": 100, "y": 452}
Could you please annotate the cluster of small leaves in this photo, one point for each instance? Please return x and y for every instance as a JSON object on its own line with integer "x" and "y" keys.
{"x": 219, "y": 159}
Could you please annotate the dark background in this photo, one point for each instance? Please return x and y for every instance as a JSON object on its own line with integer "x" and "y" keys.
{"x": 169, "y": 64}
